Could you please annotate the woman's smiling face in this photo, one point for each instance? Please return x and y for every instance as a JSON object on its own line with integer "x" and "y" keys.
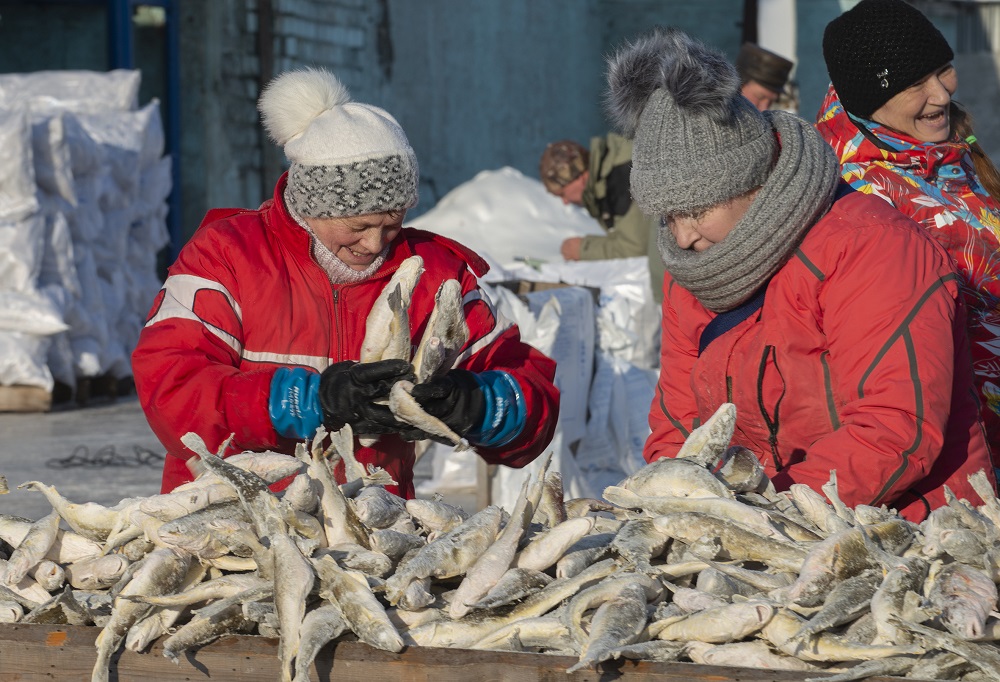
{"x": 921, "y": 111}
{"x": 357, "y": 240}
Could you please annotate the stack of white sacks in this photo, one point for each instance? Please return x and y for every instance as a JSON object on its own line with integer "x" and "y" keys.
{"x": 606, "y": 347}
{"x": 83, "y": 204}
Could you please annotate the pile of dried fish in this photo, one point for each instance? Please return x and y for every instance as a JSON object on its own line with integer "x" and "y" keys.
{"x": 677, "y": 563}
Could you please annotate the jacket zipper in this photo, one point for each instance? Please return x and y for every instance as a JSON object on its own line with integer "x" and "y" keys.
{"x": 772, "y": 425}
{"x": 336, "y": 320}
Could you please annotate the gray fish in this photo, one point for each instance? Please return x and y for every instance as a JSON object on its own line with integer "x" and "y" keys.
{"x": 435, "y": 515}
{"x": 448, "y": 633}
{"x": 386, "y": 316}
{"x": 362, "y": 610}
{"x": 737, "y": 543}
{"x": 395, "y": 544}
{"x": 49, "y": 575}
{"x": 32, "y": 549}
{"x": 201, "y": 631}
{"x": 450, "y": 555}
{"x": 515, "y": 584}
{"x": 618, "y": 622}
{"x": 377, "y": 508}
{"x": 544, "y": 632}
{"x": 966, "y": 597}
{"x": 846, "y": 601}
{"x": 159, "y": 573}
{"x": 638, "y": 543}
{"x": 753, "y": 654}
{"x": 293, "y": 580}
{"x": 444, "y": 335}
{"x": 891, "y": 666}
{"x": 986, "y": 658}
{"x": 655, "y": 650}
{"x": 675, "y": 478}
{"x": 260, "y": 503}
{"x": 94, "y": 574}
{"x": 824, "y": 647}
{"x": 839, "y": 557}
{"x": 321, "y": 625}
{"x": 888, "y": 600}
{"x": 584, "y": 552}
{"x": 492, "y": 564}
{"x": 162, "y": 619}
{"x": 551, "y": 508}
{"x": 706, "y": 443}
{"x": 741, "y": 470}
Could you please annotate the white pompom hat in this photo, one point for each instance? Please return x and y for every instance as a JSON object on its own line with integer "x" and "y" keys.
{"x": 347, "y": 159}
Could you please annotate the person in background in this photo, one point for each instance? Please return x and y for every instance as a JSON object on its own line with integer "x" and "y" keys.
{"x": 258, "y": 328}
{"x": 899, "y": 135}
{"x": 598, "y": 180}
{"x": 779, "y": 297}
{"x": 763, "y": 75}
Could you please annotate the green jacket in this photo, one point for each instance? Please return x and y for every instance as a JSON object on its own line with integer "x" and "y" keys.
{"x": 607, "y": 198}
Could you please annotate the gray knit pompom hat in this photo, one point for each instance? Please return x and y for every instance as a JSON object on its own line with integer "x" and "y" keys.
{"x": 697, "y": 141}
{"x": 347, "y": 159}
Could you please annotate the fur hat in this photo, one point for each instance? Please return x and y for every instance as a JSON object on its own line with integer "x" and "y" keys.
{"x": 697, "y": 141}
{"x": 562, "y": 162}
{"x": 347, "y": 159}
{"x": 763, "y": 66}
{"x": 879, "y": 48}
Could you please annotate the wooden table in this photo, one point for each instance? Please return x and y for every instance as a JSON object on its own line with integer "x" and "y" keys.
{"x": 50, "y": 652}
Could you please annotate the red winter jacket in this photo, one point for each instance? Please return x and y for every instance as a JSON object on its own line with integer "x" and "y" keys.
{"x": 857, "y": 361}
{"x": 245, "y": 297}
{"x": 936, "y": 185}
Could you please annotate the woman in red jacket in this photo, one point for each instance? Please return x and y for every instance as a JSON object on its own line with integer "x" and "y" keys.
{"x": 258, "y": 329}
{"x": 899, "y": 136}
{"x": 779, "y": 296}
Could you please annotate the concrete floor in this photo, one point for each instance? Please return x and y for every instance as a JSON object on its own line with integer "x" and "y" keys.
{"x": 100, "y": 453}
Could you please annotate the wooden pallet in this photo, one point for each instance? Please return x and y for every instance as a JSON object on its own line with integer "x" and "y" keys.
{"x": 46, "y": 652}
{"x": 25, "y": 399}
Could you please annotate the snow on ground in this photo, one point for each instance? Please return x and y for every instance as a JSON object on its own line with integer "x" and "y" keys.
{"x": 506, "y": 216}
{"x": 31, "y": 446}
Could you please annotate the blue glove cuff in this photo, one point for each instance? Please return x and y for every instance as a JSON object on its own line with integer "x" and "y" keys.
{"x": 505, "y": 413}
{"x": 293, "y": 404}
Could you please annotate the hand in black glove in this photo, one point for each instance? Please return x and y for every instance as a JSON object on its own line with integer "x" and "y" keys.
{"x": 455, "y": 398}
{"x": 348, "y": 391}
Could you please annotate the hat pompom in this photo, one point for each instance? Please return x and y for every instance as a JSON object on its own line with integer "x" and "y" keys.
{"x": 291, "y": 101}
{"x": 699, "y": 79}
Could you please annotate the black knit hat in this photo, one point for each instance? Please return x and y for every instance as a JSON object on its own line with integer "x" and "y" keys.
{"x": 879, "y": 48}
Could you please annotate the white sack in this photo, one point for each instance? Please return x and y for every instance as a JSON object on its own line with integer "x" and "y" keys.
{"x": 22, "y": 360}
{"x": 21, "y": 247}
{"x": 80, "y": 90}
{"x": 17, "y": 175}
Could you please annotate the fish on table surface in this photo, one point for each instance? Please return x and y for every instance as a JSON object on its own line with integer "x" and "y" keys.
{"x": 696, "y": 559}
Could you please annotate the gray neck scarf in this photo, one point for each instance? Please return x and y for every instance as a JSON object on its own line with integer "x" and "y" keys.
{"x": 798, "y": 192}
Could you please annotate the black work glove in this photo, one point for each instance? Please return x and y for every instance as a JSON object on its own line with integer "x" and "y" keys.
{"x": 455, "y": 398}
{"x": 348, "y": 391}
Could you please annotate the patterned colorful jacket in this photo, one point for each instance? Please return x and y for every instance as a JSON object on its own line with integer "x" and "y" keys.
{"x": 936, "y": 185}
{"x": 245, "y": 297}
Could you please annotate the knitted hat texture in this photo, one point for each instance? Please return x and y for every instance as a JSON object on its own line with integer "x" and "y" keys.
{"x": 697, "y": 141}
{"x": 347, "y": 159}
{"x": 879, "y": 48}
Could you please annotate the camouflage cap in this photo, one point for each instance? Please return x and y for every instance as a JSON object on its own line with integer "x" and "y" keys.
{"x": 562, "y": 163}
